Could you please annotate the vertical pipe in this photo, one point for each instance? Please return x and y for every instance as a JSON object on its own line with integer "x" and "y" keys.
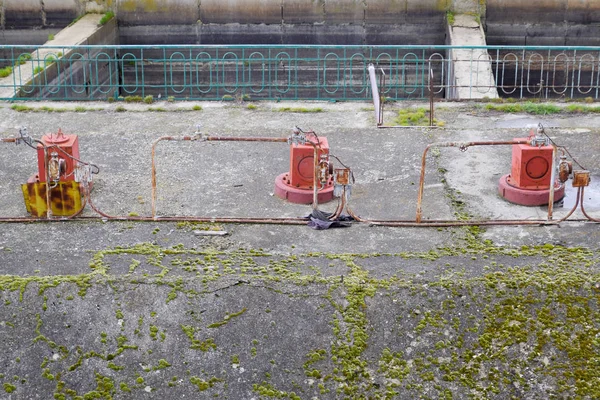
{"x": 48, "y": 205}
{"x": 421, "y": 184}
{"x": 375, "y": 92}
{"x": 315, "y": 204}
{"x": 430, "y": 97}
{"x": 552, "y": 179}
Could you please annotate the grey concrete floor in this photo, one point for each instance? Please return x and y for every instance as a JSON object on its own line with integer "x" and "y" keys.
{"x": 272, "y": 310}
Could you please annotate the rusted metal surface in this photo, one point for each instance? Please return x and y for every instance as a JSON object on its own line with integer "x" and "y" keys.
{"x": 245, "y": 139}
{"x": 577, "y": 199}
{"x": 581, "y": 178}
{"x": 583, "y": 207}
{"x": 226, "y": 139}
{"x": 552, "y": 182}
{"x": 65, "y": 198}
{"x": 76, "y": 204}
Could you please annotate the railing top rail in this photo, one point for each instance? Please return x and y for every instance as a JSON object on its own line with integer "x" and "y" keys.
{"x": 297, "y": 46}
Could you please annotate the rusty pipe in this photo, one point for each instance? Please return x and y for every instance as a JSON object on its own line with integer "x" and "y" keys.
{"x": 206, "y": 138}
{"x": 8, "y": 140}
{"x": 231, "y": 220}
{"x": 583, "y": 208}
{"x": 315, "y": 204}
{"x": 461, "y": 145}
{"x": 552, "y": 181}
{"x": 577, "y": 198}
{"x": 437, "y": 224}
{"x": 47, "y": 170}
{"x": 244, "y": 139}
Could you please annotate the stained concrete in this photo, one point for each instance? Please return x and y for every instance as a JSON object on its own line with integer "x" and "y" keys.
{"x": 153, "y": 310}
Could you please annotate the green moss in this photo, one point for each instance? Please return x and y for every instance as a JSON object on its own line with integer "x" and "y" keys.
{"x": 205, "y": 345}
{"x": 162, "y": 364}
{"x": 227, "y": 318}
{"x": 9, "y": 388}
{"x": 115, "y": 367}
{"x": 269, "y": 391}
{"x": 203, "y": 385}
{"x": 414, "y": 117}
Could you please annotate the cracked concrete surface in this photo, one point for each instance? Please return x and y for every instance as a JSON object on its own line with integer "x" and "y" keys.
{"x": 93, "y": 309}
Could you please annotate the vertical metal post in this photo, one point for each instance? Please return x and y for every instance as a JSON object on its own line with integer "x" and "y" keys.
{"x": 315, "y": 204}
{"x": 375, "y": 93}
{"x": 552, "y": 179}
{"x": 430, "y": 97}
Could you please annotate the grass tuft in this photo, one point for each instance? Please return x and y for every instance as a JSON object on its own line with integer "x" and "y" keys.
{"x": 106, "y": 17}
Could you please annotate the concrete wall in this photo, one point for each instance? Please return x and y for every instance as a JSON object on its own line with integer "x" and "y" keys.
{"x": 518, "y": 22}
{"x": 543, "y": 22}
{"x": 18, "y": 14}
{"x": 282, "y": 21}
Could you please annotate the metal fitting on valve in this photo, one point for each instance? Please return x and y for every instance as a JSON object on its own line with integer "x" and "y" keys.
{"x": 581, "y": 178}
{"x": 56, "y": 167}
{"x": 341, "y": 181}
{"x": 539, "y": 139}
{"x": 565, "y": 168}
{"x": 298, "y": 137}
{"x": 323, "y": 171}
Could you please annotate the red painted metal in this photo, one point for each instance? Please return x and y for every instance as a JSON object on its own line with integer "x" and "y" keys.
{"x": 296, "y": 186}
{"x": 531, "y": 166}
{"x": 285, "y": 191}
{"x": 67, "y": 149}
{"x": 527, "y": 197}
{"x": 529, "y": 182}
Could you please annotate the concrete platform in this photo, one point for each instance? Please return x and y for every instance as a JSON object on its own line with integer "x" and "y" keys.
{"x": 153, "y": 310}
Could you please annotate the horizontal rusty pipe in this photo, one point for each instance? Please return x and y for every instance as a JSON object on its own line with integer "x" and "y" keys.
{"x": 461, "y": 145}
{"x": 244, "y": 139}
{"x": 228, "y": 139}
{"x": 316, "y": 146}
{"x": 436, "y": 224}
{"x": 224, "y": 220}
{"x": 8, "y": 140}
{"x": 292, "y": 221}
{"x": 281, "y": 221}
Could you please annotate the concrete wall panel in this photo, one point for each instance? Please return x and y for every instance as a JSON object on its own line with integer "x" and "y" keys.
{"x": 240, "y": 11}
{"x": 303, "y": 11}
{"x": 386, "y": 11}
{"x": 583, "y": 11}
{"x": 61, "y": 12}
{"x": 22, "y": 13}
{"x": 324, "y": 34}
{"x": 344, "y": 11}
{"x": 417, "y": 34}
{"x": 158, "y": 12}
{"x": 519, "y": 11}
{"x": 427, "y": 11}
{"x": 583, "y": 35}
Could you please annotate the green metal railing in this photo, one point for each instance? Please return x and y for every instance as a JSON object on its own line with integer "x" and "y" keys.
{"x": 279, "y": 72}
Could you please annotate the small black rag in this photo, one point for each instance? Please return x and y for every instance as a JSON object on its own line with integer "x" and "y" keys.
{"x": 320, "y": 220}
